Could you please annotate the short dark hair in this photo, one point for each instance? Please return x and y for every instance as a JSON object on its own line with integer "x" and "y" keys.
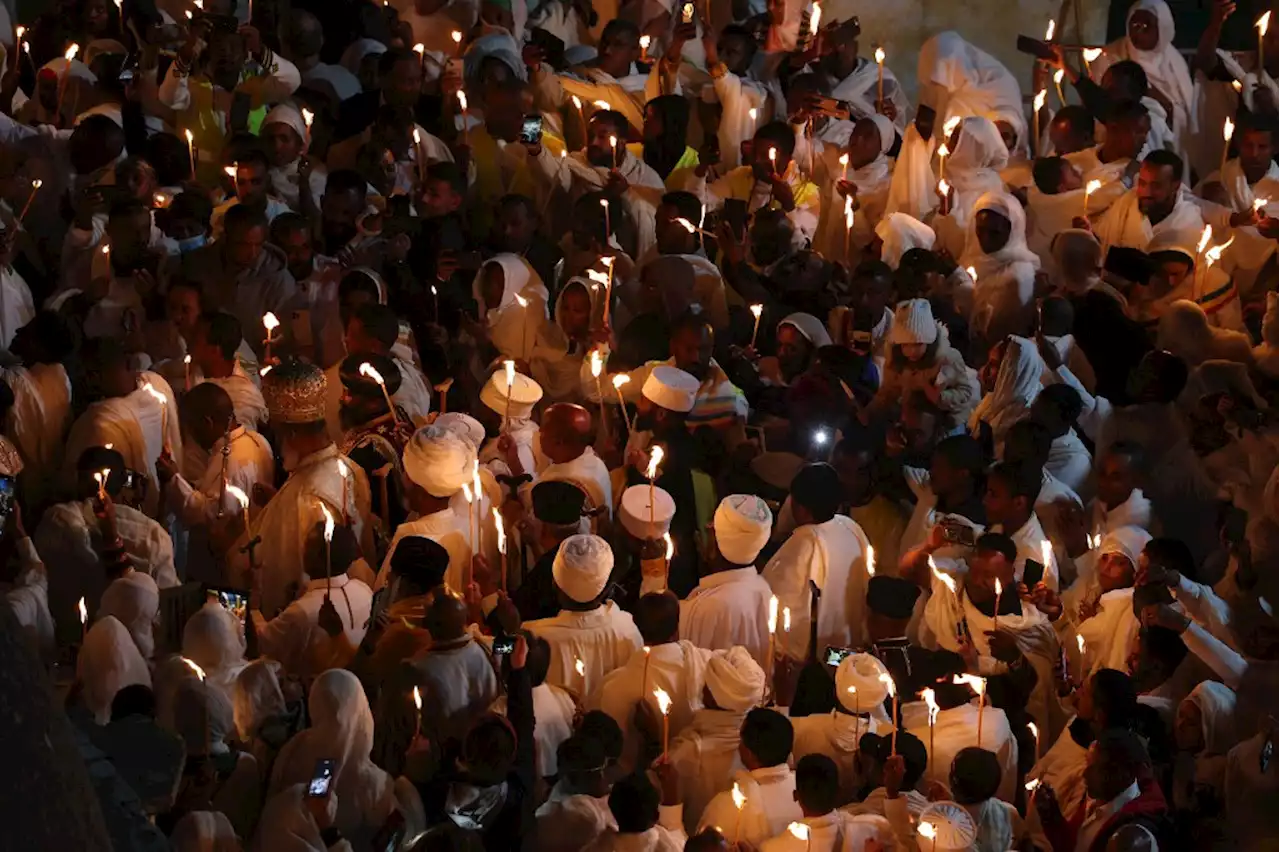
{"x": 1125, "y": 110}
{"x": 253, "y": 157}
{"x": 128, "y": 207}
{"x": 976, "y": 774}
{"x": 136, "y": 699}
{"x": 223, "y": 331}
{"x": 345, "y": 180}
{"x": 1028, "y": 444}
{"x": 963, "y": 452}
{"x": 193, "y": 206}
{"x": 1123, "y": 750}
{"x": 1115, "y": 696}
{"x": 1064, "y": 400}
{"x": 817, "y": 783}
{"x": 1161, "y": 157}
{"x": 288, "y": 223}
{"x": 1132, "y": 76}
{"x": 379, "y": 322}
{"x": 873, "y": 268}
{"x": 395, "y": 55}
{"x": 997, "y": 543}
{"x": 768, "y": 735}
{"x": 1077, "y": 118}
{"x": 450, "y": 173}
{"x": 604, "y": 729}
{"x": 657, "y": 617}
{"x": 1020, "y": 481}
{"x": 618, "y": 27}
{"x": 1163, "y": 644}
{"x": 242, "y": 218}
{"x": 634, "y": 803}
{"x": 615, "y": 120}
{"x": 1131, "y": 450}
{"x": 1172, "y": 554}
{"x": 513, "y": 200}
{"x": 817, "y": 488}
{"x": 690, "y": 319}
{"x": 686, "y": 204}
{"x": 1047, "y": 173}
{"x": 780, "y": 134}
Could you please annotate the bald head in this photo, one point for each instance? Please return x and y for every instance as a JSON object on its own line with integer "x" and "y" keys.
{"x": 566, "y": 432}
{"x": 206, "y": 410}
{"x": 446, "y": 617}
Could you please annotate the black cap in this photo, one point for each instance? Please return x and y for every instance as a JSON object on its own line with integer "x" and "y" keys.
{"x": 558, "y": 502}
{"x": 420, "y": 560}
{"x": 892, "y": 597}
{"x": 359, "y": 384}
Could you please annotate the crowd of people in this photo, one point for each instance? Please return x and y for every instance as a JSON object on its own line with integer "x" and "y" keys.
{"x": 489, "y": 425}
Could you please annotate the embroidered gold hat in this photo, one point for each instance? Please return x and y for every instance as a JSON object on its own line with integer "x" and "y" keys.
{"x": 294, "y": 392}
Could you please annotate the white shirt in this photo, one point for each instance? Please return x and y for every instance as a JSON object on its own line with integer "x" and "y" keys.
{"x": 706, "y": 756}
{"x": 446, "y": 528}
{"x": 836, "y": 735}
{"x": 568, "y": 822}
{"x": 553, "y": 712}
{"x": 837, "y": 831}
{"x": 294, "y": 637}
{"x": 769, "y": 809}
{"x": 729, "y": 608}
{"x": 957, "y": 729}
{"x": 1098, "y": 813}
{"x": 1028, "y": 538}
{"x": 458, "y": 685}
{"x": 588, "y": 472}
{"x": 676, "y": 667}
{"x": 604, "y": 638}
{"x": 833, "y": 555}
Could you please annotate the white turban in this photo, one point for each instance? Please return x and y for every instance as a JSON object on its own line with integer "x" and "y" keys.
{"x": 952, "y": 823}
{"x": 742, "y": 524}
{"x": 438, "y": 461}
{"x": 464, "y": 426}
{"x": 634, "y": 512}
{"x": 1127, "y": 541}
{"x": 858, "y": 685}
{"x": 582, "y": 567}
{"x": 735, "y": 679}
{"x": 288, "y": 115}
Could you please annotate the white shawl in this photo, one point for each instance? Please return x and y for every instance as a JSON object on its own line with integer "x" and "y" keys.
{"x": 1166, "y": 69}
{"x": 514, "y": 330}
{"x": 1018, "y": 383}
{"x": 1004, "y": 291}
{"x": 968, "y": 82}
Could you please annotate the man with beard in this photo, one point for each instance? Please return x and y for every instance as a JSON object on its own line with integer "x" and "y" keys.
{"x": 718, "y": 404}
{"x": 253, "y": 184}
{"x": 317, "y": 330}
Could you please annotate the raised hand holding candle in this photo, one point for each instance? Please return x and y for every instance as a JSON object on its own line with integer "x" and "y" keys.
{"x": 1058, "y": 77}
{"x": 243, "y": 500}
{"x": 100, "y": 477}
{"x": 456, "y": 35}
{"x": 943, "y": 153}
{"x": 756, "y": 311}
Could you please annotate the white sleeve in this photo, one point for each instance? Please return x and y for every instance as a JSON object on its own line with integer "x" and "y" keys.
{"x": 174, "y": 92}
{"x": 1097, "y": 409}
{"x": 1205, "y": 607}
{"x": 1226, "y": 663}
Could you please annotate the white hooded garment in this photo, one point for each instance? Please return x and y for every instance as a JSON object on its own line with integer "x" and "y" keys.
{"x": 1004, "y": 292}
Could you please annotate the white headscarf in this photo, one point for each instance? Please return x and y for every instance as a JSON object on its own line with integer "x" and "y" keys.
{"x": 1217, "y": 705}
{"x": 810, "y": 327}
{"x": 1166, "y": 69}
{"x": 134, "y": 599}
{"x": 213, "y": 639}
{"x": 900, "y": 233}
{"x": 108, "y": 662}
{"x": 513, "y": 329}
{"x": 1017, "y": 385}
{"x": 256, "y": 697}
{"x": 966, "y": 81}
{"x": 355, "y": 53}
{"x": 286, "y": 824}
{"x": 1003, "y": 294}
{"x": 202, "y": 716}
{"x": 341, "y": 730}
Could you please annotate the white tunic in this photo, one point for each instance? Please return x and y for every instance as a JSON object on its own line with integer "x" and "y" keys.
{"x": 957, "y": 729}
{"x": 446, "y": 528}
{"x": 676, "y": 667}
{"x": 458, "y": 685}
{"x": 837, "y": 831}
{"x": 39, "y": 420}
{"x": 769, "y": 809}
{"x": 294, "y": 637}
{"x": 553, "y": 712}
{"x": 604, "y": 638}
{"x": 833, "y": 555}
{"x": 28, "y": 600}
{"x": 588, "y": 472}
{"x": 836, "y": 735}
{"x": 706, "y": 756}
{"x": 1028, "y": 539}
{"x": 729, "y": 608}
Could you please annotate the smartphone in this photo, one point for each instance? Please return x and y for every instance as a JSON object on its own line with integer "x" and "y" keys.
{"x": 8, "y": 485}
{"x": 686, "y": 13}
{"x": 241, "y": 105}
{"x": 1032, "y": 573}
{"x": 1128, "y": 263}
{"x": 955, "y": 532}
{"x": 504, "y": 645}
{"x": 1035, "y": 47}
{"x": 835, "y": 656}
{"x": 131, "y": 479}
{"x": 321, "y": 778}
{"x": 531, "y": 130}
{"x": 234, "y": 601}
{"x": 735, "y": 213}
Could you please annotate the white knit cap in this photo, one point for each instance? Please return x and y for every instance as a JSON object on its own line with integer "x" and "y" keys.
{"x": 464, "y": 426}
{"x": 671, "y": 388}
{"x": 438, "y": 461}
{"x": 913, "y": 323}
{"x": 735, "y": 679}
{"x": 582, "y": 567}
{"x": 288, "y": 115}
{"x": 742, "y": 524}
{"x": 525, "y": 393}
{"x": 1127, "y": 541}
{"x": 954, "y": 826}
{"x": 858, "y": 685}
{"x": 634, "y": 511}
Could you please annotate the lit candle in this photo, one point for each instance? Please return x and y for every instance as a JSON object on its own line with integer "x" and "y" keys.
{"x": 456, "y": 35}
{"x": 510, "y": 367}
{"x": 84, "y": 618}
{"x": 243, "y": 500}
{"x": 524, "y": 328}
{"x": 944, "y": 192}
{"x": 943, "y": 153}
{"x": 1035, "y": 732}
{"x": 1080, "y": 646}
{"x": 582, "y": 115}
{"x": 186, "y": 363}
{"x": 1261, "y": 25}
{"x": 597, "y": 366}
{"x": 773, "y": 159}
{"x": 1238, "y": 86}
{"x": 466, "y": 127}
{"x": 786, "y": 619}
{"x": 164, "y": 413}
{"x": 690, "y": 227}
{"x": 1092, "y": 187}
{"x": 230, "y": 171}
{"x": 31, "y": 196}
{"x": 344, "y": 473}
{"x": 844, "y": 167}
{"x": 479, "y": 514}
{"x": 645, "y": 41}
{"x": 466, "y": 492}
{"x": 1031, "y": 786}
{"x": 978, "y": 685}
{"x": 930, "y": 699}
{"x": 1228, "y": 130}
{"x": 618, "y": 381}
{"x": 950, "y": 127}
{"x": 608, "y": 226}
{"x": 664, "y": 705}
{"x": 608, "y": 283}
{"x": 367, "y": 370}
{"x": 66, "y": 75}
{"x": 928, "y": 832}
{"x": 879, "y": 77}
{"x": 1046, "y": 552}
{"x": 756, "y": 311}
{"x": 671, "y": 551}
{"x": 1090, "y": 54}
{"x": 307, "y": 117}
{"x": 417, "y": 716}
{"x": 191, "y": 150}
{"x": 100, "y": 477}
{"x": 328, "y": 545}
{"x": 270, "y": 323}
{"x": 848, "y": 223}
{"x": 995, "y": 619}
{"x": 644, "y": 675}
{"x": 871, "y": 561}
{"x": 1058, "y": 77}
{"x": 752, "y": 114}
{"x": 773, "y": 639}
{"x": 739, "y": 802}
{"x": 887, "y": 680}
{"x": 502, "y": 546}
{"x": 421, "y": 50}
{"x": 435, "y": 301}
{"x": 815, "y": 19}
{"x": 581, "y": 668}
{"x": 1048, "y": 33}
{"x": 419, "y": 155}
{"x": 655, "y": 458}
{"x": 613, "y": 146}
{"x": 1037, "y": 105}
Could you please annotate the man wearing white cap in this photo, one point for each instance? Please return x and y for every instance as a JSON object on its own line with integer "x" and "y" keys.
{"x": 860, "y": 709}
{"x": 666, "y": 398}
{"x": 644, "y": 516}
{"x": 730, "y": 605}
{"x": 589, "y": 628}
{"x": 515, "y": 452}
{"x": 769, "y": 785}
{"x": 665, "y": 662}
{"x": 706, "y": 754}
{"x": 831, "y": 550}
{"x": 286, "y": 135}
{"x": 437, "y": 463}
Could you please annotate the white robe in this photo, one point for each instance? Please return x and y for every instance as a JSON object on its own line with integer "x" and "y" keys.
{"x": 287, "y": 520}
{"x": 604, "y": 638}
{"x": 39, "y": 420}
{"x": 769, "y": 809}
{"x": 833, "y": 554}
{"x": 16, "y": 305}
{"x": 729, "y": 608}
{"x": 957, "y": 729}
{"x": 568, "y": 822}
{"x": 553, "y": 713}
{"x": 836, "y": 735}
{"x": 644, "y": 193}
{"x": 837, "y": 831}
{"x": 446, "y": 528}
{"x": 587, "y": 471}
{"x": 295, "y": 638}
{"x": 706, "y": 756}
{"x": 1027, "y": 538}
{"x": 1125, "y": 225}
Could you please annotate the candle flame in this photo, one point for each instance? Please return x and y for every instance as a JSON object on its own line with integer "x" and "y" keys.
{"x": 417, "y": 699}
{"x": 71, "y": 52}
{"x": 1228, "y": 129}
{"x": 239, "y": 495}
{"x": 655, "y": 458}
{"x": 1092, "y": 187}
{"x": 752, "y": 113}
{"x": 602, "y": 105}
{"x": 328, "y": 521}
{"x": 1259, "y": 203}
{"x": 1032, "y": 784}
{"x": 930, "y": 698}
{"x": 815, "y": 19}
{"x": 456, "y": 35}
{"x": 799, "y": 830}
{"x": 84, "y": 612}
{"x": 419, "y": 49}
{"x": 1058, "y": 77}
{"x": 757, "y": 310}
{"x": 1263, "y": 23}
{"x": 999, "y": 591}
{"x": 926, "y": 830}
{"x": 1048, "y": 33}
{"x": 1237, "y": 85}
{"x": 1035, "y": 732}
{"x": 773, "y": 155}
{"x": 879, "y": 55}
{"x": 944, "y": 188}
{"x": 265, "y": 370}
{"x": 307, "y": 117}
{"x": 871, "y": 561}
{"x": 844, "y": 159}
{"x": 664, "y": 700}
{"x": 620, "y": 380}
{"x": 613, "y": 142}
{"x": 191, "y": 664}
{"x": 972, "y": 272}
{"x": 502, "y": 533}
{"x": 229, "y": 171}
{"x": 1080, "y": 643}
{"x": 943, "y": 577}
{"x": 887, "y": 680}
{"x": 1205, "y": 237}
{"x": 522, "y": 301}
{"x": 943, "y": 151}
{"x": 20, "y": 32}
{"x": 269, "y": 322}
{"x": 37, "y": 183}
{"x": 645, "y": 41}
{"x": 190, "y": 138}
{"x": 466, "y": 491}
{"x": 462, "y": 100}
{"x": 580, "y": 667}
{"x": 739, "y": 799}
{"x": 577, "y": 101}
{"x": 686, "y": 224}
{"x": 366, "y": 369}
{"x": 773, "y": 613}
{"x": 597, "y": 276}
{"x": 596, "y": 365}
{"x": 671, "y": 551}
{"x": 1046, "y": 552}
{"x": 1091, "y": 54}
{"x": 977, "y": 684}
{"x": 786, "y": 619}
{"x": 1040, "y": 98}
{"x": 106, "y": 248}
